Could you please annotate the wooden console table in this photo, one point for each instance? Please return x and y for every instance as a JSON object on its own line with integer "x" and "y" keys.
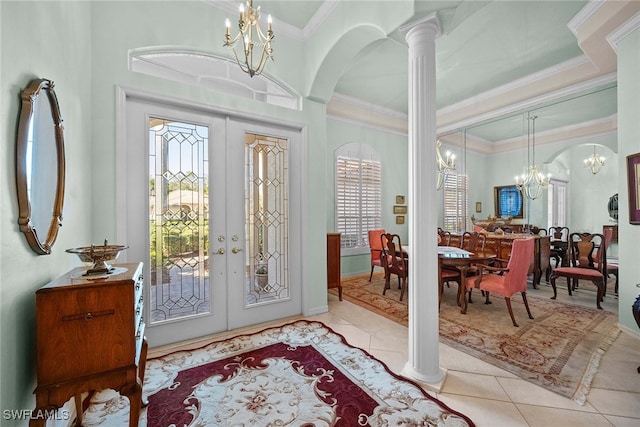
{"x": 90, "y": 336}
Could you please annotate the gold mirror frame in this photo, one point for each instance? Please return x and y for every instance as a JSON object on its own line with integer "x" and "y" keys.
{"x": 39, "y": 91}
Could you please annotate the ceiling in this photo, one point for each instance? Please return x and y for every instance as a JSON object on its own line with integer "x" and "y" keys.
{"x": 484, "y": 46}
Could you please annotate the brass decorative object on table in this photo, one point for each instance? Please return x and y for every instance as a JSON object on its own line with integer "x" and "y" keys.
{"x": 98, "y": 255}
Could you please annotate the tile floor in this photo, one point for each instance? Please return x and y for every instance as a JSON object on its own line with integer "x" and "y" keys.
{"x": 491, "y": 396}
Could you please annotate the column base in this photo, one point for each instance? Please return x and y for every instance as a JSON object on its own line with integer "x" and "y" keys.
{"x": 433, "y": 383}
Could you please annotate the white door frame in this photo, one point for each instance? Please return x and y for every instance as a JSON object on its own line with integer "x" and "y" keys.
{"x": 297, "y": 221}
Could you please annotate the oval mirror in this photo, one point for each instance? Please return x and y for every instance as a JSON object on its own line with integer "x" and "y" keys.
{"x": 40, "y": 167}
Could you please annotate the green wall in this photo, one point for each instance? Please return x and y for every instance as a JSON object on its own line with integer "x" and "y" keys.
{"x": 628, "y": 137}
{"x": 40, "y": 40}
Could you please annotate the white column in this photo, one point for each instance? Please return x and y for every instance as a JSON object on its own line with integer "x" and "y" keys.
{"x": 424, "y": 362}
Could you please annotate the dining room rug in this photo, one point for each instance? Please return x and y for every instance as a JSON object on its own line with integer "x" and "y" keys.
{"x": 299, "y": 374}
{"x": 559, "y": 350}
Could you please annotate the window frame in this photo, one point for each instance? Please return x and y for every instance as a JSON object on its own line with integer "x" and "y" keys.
{"x": 359, "y": 154}
{"x": 455, "y": 205}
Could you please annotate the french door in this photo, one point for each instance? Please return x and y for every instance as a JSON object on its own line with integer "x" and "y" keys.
{"x": 209, "y": 210}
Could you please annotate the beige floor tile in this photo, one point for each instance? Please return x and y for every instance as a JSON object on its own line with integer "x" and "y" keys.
{"x": 623, "y": 421}
{"x": 354, "y": 335}
{"x": 618, "y": 367}
{"x": 456, "y": 360}
{"x": 618, "y": 403}
{"x": 467, "y": 384}
{"x": 394, "y": 360}
{"x": 540, "y": 416}
{"x": 485, "y": 412}
{"x": 521, "y": 391}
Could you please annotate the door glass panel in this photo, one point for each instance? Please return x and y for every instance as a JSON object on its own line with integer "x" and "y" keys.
{"x": 178, "y": 219}
{"x": 267, "y": 207}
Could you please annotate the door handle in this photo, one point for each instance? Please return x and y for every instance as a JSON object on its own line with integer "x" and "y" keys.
{"x": 220, "y": 252}
{"x": 235, "y": 250}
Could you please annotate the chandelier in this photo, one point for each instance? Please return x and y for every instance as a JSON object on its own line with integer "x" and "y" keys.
{"x": 446, "y": 165}
{"x": 533, "y": 181}
{"x": 594, "y": 162}
{"x": 249, "y": 27}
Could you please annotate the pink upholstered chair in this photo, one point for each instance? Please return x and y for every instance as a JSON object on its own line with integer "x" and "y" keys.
{"x": 508, "y": 281}
{"x": 588, "y": 256}
{"x": 394, "y": 262}
{"x": 375, "y": 246}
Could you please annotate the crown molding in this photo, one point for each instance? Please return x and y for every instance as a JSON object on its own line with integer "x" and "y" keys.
{"x": 324, "y": 11}
{"x": 521, "y": 106}
{"x": 584, "y": 15}
{"x": 616, "y": 36}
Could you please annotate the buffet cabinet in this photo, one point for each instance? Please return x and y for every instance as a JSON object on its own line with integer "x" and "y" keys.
{"x": 90, "y": 336}
{"x": 333, "y": 263}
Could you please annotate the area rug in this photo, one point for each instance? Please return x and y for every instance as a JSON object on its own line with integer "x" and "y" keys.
{"x": 559, "y": 350}
{"x": 300, "y": 374}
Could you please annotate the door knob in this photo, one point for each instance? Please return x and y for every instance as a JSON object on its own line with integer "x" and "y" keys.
{"x": 235, "y": 250}
{"x": 220, "y": 252}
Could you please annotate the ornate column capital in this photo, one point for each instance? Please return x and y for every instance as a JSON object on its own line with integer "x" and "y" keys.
{"x": 429, "y": 24}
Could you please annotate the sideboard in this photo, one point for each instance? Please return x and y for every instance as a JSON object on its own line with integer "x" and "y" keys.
{"x": 90, "y": 336}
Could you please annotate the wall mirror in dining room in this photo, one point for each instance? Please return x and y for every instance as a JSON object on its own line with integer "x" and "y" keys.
{"x": 40, "y": 166}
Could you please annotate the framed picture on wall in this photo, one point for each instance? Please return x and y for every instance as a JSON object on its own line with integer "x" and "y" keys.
{"x": 400, "y": 219}
{"x": 399, "y": 200}
{"x": 509, "y": 202}
{"x": 633, "y": 174}
{"x": 399, "y": 209}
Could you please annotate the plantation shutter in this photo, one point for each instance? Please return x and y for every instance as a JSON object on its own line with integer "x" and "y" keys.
{"x": 358, "y": 199}
{"x": 456, "y": 203}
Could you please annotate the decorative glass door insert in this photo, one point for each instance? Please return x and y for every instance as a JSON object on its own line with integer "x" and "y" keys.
{"x": 267, "y": 207}
{"x": 178, "y": 219}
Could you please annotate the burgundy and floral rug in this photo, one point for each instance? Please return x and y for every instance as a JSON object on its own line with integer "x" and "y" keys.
{"x": 559, "y": 350}
{"x": 300, "y": 374}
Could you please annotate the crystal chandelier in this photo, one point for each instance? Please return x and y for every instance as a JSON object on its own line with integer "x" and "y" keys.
{"x": 446, "y": 165}
{"x": 594, "y": 162}
{"x": 533, "y": 182}
{"x": 249, "y": 27}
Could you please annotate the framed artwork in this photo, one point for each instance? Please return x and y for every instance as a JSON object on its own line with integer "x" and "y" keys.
{"x": 399, "y": 200}
{"x": 399, "y": 209}
{"x": 400, "y": 219}
{"x": 509, "y": 202}
{"x": 478, "y": 207}
{"x": 633, "y": 174}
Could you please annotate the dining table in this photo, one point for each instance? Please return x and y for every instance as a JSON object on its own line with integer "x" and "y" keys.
{"x": 461, "y": 260}
{"x": 458, "y": 258}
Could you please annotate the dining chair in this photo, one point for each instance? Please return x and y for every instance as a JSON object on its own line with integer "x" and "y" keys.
{"x": 445, "y": 237}
{"x": 473, "y": 241}
{"x": 559, "y": 243}
{"x": 587, "y": 257}
{"x": 608, "y": 267}
{"x": 375, "y": 246}
{"x": 506, "y": 281}
{"x": 394, "y": 262}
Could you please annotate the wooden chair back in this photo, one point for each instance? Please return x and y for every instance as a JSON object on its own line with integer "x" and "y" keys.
{"x": 588, "y": 250}
{"x": 473, "y": 241}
